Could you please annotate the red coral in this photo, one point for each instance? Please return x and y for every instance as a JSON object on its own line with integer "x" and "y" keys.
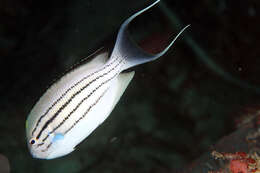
{"x": 239, "y": 162}
{"x": 238, "y": 166}
{"x": 242, "y": 154}
{"x": 258, "y": 120}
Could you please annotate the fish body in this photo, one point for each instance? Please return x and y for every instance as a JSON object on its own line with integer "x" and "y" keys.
{"x": 74, "y": 106}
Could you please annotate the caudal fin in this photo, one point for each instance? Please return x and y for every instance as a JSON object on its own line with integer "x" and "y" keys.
{"x": 125, "y": 47}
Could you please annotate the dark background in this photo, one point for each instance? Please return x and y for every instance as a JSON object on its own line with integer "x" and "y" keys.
{"x": 175, "y": 109}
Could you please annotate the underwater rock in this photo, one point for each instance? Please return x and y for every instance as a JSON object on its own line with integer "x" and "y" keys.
{"x": 4, "y": 164}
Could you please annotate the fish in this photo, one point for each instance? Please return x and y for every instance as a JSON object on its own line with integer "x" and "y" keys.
{"x": 75, "y": 105}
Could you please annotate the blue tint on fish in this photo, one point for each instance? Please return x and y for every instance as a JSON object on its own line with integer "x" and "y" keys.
{"x": 57, "y": 137}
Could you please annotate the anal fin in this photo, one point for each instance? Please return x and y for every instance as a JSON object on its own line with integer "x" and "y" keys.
{"x": 123, "y": 81}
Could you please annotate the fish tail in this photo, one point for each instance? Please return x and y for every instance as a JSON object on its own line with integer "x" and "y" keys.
{"x": 134, "y": 55}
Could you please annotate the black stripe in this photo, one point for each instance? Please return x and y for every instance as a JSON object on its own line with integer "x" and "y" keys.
{"x": 79, "y": 118}
{"x": 40, "y": 144}
{"x": 48, "y": 146}
{"x": 85, "y": 98}
{"x": 69, "y": 100}
{"x": 54, "y": 103}
{"x": 91, "y": 106}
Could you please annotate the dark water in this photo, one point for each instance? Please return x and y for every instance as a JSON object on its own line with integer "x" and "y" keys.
{"x": 173, "y": 110}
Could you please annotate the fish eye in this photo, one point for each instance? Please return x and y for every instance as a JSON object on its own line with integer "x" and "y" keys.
{"x": 32, "y": 141}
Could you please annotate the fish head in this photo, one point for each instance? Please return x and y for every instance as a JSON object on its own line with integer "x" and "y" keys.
{"x": 55, "y": 145}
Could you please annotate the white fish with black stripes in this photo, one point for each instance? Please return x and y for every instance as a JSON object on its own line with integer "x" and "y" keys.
{"x": 74, "y": 106}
